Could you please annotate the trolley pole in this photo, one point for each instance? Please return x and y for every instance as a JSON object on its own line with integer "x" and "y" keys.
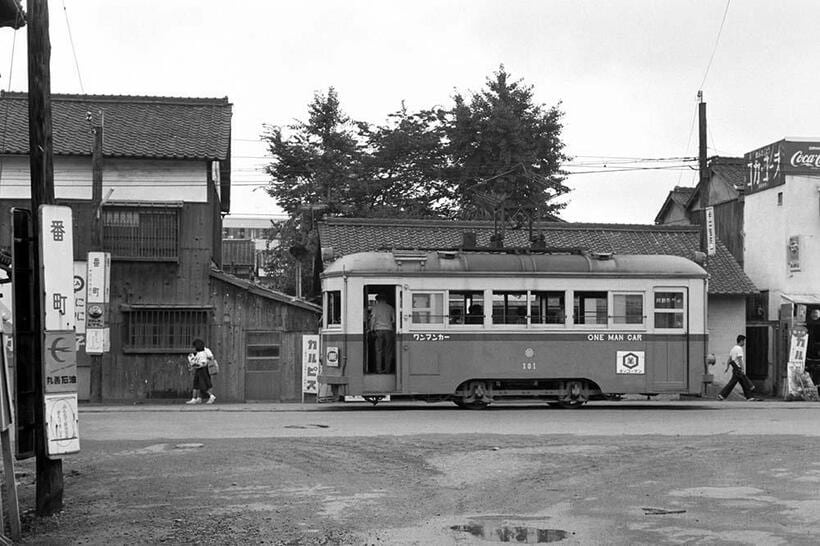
{"x": 49, "y": 490}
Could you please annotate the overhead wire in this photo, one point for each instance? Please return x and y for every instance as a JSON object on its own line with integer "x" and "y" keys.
{"x": 73, "y": 49}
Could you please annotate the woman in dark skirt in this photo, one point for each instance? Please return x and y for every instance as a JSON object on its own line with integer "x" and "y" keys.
{"x": 198, "y": 362}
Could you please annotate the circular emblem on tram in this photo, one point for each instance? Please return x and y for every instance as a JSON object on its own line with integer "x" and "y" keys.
{"x": 529, "y": 353}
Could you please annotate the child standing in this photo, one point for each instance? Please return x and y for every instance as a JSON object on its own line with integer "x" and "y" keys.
{"x": 198, "y": 362}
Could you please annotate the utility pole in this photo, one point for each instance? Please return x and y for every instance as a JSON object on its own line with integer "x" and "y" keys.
{"x": 49, "y": 495}
{"x": 707, "y": 220}
{"x": 704, "y": 171}
{"x": 96, "y": 242}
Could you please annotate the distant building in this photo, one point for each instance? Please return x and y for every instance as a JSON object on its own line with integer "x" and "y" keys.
{"x": 247, "y": 240}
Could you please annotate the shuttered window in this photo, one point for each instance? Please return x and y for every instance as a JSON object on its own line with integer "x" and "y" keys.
{"x": 144, "y": 233}
{"x": 158, "y": 330}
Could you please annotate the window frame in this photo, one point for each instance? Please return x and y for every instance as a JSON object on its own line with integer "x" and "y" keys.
{"x": 598, "y": 325}
{"x": 565, "y": 316}
{"x": 443, "y": 317}
{"x": 506, "y": 294}
{"x": 627, "y": 325}
{"x": 172, "y": 326}
{"x": 326, "y": 310}
{"x": 683, "y": 310}
{"x": 134, "y": 246}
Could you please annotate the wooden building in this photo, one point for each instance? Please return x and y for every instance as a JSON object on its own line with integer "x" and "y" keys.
{"x": 156, "y": 172}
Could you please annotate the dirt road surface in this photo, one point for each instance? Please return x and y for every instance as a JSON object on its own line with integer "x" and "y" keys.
{"x": 626, "y": 473}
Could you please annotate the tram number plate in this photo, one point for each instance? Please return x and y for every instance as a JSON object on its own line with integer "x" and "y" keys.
{"x": 430, "y": 337}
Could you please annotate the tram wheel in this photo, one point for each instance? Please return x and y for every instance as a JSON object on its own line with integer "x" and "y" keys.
{"x": 476, "y": 405}
{"x": 567, "y": 404}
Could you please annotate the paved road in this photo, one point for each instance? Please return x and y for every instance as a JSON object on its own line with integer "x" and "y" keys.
{"x": 689, "y": 418}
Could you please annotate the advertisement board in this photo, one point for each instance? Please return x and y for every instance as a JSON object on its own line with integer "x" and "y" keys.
{"x": 768, "y": 166}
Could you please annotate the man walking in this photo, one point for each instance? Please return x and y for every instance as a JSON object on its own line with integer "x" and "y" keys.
{"x": 738, "y": 364}
{"x": 382, "y": 319}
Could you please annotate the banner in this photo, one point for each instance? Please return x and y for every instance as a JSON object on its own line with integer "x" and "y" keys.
{"x": 310, "y": 364}
{"x": 800, "y": 386}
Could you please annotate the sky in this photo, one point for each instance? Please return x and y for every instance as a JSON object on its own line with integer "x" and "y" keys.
{"x": 626, "y": 74}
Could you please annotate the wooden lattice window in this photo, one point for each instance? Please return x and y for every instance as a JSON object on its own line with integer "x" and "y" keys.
{"x": 146, "y": 233}
{"x": 163, "y": 329}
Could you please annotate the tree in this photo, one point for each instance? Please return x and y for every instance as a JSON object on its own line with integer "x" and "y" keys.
{"x": 492, "y": 154}
{"x": 315, "y": 170}
{"x": 506, "y": 151}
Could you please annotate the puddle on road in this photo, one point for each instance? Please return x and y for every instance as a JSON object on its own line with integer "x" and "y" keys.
{"x": 520, "y": 534}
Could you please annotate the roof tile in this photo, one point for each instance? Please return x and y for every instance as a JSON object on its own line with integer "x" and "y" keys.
{"x": 350, "y": 235}
{"x": 137, "y": 127}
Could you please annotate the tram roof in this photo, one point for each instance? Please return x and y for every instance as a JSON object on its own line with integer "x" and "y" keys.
{"x": 492, "y": 263}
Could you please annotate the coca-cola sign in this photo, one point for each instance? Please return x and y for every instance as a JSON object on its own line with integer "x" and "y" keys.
{"x": 808, "y": 160}
{"x": 768, "y": 166}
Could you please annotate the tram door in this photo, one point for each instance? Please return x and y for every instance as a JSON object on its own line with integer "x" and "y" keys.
{"x": 381, "y": 358}
{"x": 670, "y": 354}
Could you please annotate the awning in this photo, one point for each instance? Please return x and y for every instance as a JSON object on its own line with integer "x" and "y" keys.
{"x": 804, "y": 299}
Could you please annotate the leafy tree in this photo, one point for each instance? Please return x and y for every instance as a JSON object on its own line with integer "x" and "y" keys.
{"x": 494, "y": 152}
{"x": 315, "y": 170}
{"x": 505, "y": 150}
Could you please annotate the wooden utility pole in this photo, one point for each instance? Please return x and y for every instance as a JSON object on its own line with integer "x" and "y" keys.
{"x": 49, "y": 471}
{"x": 96, "y": 242}
{"x": 703, "y": 179}
{"x": 702, "y": 160}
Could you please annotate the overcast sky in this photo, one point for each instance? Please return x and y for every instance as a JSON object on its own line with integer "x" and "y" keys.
{"x": 626, "y": 72}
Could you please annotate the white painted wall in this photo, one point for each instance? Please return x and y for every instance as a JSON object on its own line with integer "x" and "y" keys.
{"x": 726, "y": 318}
{"x": 131, "y": 179}
{"x": 767, "y": 228}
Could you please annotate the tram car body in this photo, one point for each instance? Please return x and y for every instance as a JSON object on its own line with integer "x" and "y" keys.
{"x": 478, "y": 327}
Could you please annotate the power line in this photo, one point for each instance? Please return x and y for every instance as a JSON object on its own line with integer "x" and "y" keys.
{"x": 73, "y": 50}
{"x": 717, "y": 39}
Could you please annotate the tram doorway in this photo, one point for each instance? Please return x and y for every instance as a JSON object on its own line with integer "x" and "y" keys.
{"x": 381, "y": 357}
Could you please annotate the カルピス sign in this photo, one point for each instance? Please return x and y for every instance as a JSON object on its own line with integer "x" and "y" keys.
{"x": 767, "y": 167}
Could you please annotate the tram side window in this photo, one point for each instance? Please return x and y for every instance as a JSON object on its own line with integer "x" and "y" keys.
{"x": 509, "y": 308}
{"x": 333, "y": 308}
{"x": 466, "y": 307}
{"x": 627, "y": 308}
{"x": 547, "y": 308}
{"x": 590, "y": 307}
{"x": 669, "y": 310}
{"x": 428, "y": 308}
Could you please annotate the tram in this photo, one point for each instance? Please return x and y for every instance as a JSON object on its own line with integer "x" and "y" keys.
{"x": 476, "y": 327}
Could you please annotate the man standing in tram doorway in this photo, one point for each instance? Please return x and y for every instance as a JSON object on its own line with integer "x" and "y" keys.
{"x": 738, "y": 364}
{"x": 382, "y": 321}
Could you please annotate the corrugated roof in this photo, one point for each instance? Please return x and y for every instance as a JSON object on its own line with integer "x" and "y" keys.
{"x": 349, "y": 235}
{"x": 136, "y": 127}
{"x": 258, "y": 290}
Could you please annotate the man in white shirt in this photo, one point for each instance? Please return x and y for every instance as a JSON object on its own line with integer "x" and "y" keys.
{"x": 382, "y": 320}
{"x": 738, "y": 364}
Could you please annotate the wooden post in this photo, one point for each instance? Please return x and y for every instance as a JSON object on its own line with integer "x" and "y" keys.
{"x": 49, "y": 495}
{"x": 96, "y": 243}
{"x": 703, "y": 180}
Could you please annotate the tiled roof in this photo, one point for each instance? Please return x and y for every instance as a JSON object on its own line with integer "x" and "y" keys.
{"x": 136, "y": 127}
{"x": 731, "y": 169}
{"x": 349, "y": 235}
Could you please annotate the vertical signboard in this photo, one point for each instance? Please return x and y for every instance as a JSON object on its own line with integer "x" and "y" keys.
{"x": 56, "y": 259}
{"x": 59, "y": 365}
{"x": 710, "y": 231}
{"x": 98, "y": 293}
{"x": 800, "y": 385}
{"x": 793, "y": 254}
{"x": 310, "y": 364}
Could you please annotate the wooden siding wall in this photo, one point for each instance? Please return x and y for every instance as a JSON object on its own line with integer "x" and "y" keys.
{"x": 728, "y": 226}
{"x": 236, "y": 312}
